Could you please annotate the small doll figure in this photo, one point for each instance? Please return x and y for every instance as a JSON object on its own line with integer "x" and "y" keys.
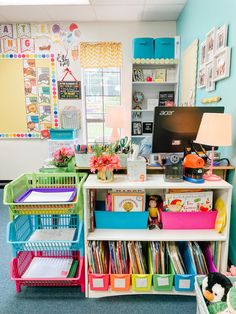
{"x": 155, "y": 204}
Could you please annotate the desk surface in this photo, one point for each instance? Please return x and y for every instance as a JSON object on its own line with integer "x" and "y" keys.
{"x": 230, "y": 167}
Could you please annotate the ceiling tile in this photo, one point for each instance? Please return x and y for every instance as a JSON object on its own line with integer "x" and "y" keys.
{"x": 162, "y": 12}
{"x": 24, "y": 13}
{"x": 118, "y": 13}
{"x": 71, "y": 13}
{"x": 117, "y": 2}
{"x": 2, "y": 19}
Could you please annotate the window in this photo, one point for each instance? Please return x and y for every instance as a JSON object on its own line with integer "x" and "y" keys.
{"x": 102, "y": 90}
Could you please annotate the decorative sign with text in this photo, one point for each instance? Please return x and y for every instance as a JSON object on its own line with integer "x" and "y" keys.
{"x": 69, "y": 90}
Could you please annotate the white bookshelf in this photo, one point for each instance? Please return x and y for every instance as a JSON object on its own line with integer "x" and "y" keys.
{"x": 157, "y": 184}
{"x": 152, "y": 89}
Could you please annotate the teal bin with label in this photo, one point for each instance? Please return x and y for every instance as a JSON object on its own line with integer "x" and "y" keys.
{"x": 143, "y": 48}
{"x": 164, "y": 48}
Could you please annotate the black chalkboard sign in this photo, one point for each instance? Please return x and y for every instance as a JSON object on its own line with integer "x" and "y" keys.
{"x": 69, "y": 89}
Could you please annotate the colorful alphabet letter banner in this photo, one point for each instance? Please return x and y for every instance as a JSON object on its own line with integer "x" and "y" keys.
{"x": 23, "y": 30}
{"x": 26, "y": 45}
{"x": 9, "y": 45}
{"x": 6, "y": 30}
{"x": 39, "y": 30}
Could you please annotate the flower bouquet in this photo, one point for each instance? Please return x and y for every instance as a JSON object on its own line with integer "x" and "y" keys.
{"x": 104, "y": 161}
{"x": 64, "y": 157}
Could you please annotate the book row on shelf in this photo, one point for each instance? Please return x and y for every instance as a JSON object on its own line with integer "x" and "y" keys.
{"x": 165, "y": 264}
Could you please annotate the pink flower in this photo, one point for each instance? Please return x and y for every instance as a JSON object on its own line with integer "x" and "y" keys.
{"x": 62, "y": 156}
{"x": 104, "y": 162}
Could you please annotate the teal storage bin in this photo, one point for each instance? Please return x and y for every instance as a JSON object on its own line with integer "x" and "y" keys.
{"x": 143, "y": 48}
{"x": 63, "y": 134}
{"x": 185, "y": 282}
{"x": 121, "y": 220}
{"x": 164, "y": 48}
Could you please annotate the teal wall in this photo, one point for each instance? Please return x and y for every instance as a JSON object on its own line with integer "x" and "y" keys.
{"x": 197, "y": 18}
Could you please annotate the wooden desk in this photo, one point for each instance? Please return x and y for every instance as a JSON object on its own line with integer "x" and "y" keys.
{"x": 221, "y": 171}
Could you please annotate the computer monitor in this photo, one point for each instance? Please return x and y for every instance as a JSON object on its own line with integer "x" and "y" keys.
{"x": 175, "y": 128}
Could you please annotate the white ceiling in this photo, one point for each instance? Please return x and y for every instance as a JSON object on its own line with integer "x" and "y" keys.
{"x": 97, "y": 11}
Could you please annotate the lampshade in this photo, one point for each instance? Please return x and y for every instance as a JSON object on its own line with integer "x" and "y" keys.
{"x": 115, "y": 117}
{"x": 215, "y": 130}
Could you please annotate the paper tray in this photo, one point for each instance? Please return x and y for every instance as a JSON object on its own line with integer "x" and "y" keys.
{"x": 46, "y": 191}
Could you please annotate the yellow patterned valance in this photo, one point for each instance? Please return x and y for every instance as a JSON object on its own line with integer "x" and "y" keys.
{"x": 100, "y": 55}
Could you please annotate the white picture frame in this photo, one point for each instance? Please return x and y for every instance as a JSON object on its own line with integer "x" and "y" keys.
{"x": 210, "y": 44}
{"x": 203, "y": 54}
{"x": 201, "y": 77}
{"x": 210, "y": 84}
{"x": 221, "y": 64}
{"x": 221, "y": 38}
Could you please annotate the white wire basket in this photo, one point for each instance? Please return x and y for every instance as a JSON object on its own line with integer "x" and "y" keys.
{"x": 71, "y": 118}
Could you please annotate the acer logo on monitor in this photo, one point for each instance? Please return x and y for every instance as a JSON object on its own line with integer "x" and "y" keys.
{"x": 166, "y": 113}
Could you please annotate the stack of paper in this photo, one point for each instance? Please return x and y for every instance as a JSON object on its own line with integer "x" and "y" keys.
{"x": 66, "y": 234}
{"x": 48, "y": 267}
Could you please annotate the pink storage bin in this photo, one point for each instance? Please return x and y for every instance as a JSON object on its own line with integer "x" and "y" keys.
{"x": 188, "y": 220}
{"x": 19, "y": 264}
{"x": 98, "y": 282}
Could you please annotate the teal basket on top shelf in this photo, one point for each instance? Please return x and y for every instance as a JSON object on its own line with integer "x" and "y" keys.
{"x": 45, "y": 180}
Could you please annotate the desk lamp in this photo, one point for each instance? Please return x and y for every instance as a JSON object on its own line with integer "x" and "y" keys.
{"x": 115, "y": 119}
{"x": 215, "y": 130}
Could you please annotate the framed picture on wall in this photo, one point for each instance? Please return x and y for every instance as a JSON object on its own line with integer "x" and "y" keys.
{"x": 221, "y": 64}
{"x": 201, "y": 77}
{"x": 210, "y": 84}
{"x": 147, "y": 127}
{"x": 137, "y": 128}
{"x": 210, "y": 44}
{"x": 138, "y": 75}
{"x": 221, "y": 38}
{"x": 203, "y": 53}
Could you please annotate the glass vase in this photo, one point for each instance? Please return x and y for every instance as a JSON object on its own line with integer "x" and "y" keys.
{"x": 105, "y": 175}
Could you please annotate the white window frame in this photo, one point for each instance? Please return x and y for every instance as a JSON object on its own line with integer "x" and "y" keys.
{"x": 84, "y": 122}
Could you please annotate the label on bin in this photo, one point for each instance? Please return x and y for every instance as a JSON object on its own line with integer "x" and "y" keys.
{"x": 98, "y": 283}
{"x": 119, "y": 283}
{"x": 184, "y": 283}
{"x": 163, "y": 281}
{"x": 141, "y": 282}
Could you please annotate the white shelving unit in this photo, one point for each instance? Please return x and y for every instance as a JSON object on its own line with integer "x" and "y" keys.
{"x": 154, "y": 184}
{"x": 151, "y": 89}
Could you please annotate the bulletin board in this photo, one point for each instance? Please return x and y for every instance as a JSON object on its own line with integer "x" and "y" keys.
{"x": 28, "y": 95}
{"x": 189, "y": 75}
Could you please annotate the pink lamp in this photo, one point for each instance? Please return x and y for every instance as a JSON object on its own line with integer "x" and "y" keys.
{"x": 115, "y": 119}
{"x": 215, "y": 130}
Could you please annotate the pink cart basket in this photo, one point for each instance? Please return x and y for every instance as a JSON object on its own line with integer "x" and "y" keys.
{"x": 20, "y": 263}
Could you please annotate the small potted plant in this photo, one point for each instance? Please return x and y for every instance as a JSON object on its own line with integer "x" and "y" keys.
{"x": 104, "y": 161}
{"x": 64, "y": 159}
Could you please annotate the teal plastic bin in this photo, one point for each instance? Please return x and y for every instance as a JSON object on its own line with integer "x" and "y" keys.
{"x": 63, "y": 134}
{"x": 164, "y": 48}
{"x": 121, "y": 220}
{"x": 143, "y": 48}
